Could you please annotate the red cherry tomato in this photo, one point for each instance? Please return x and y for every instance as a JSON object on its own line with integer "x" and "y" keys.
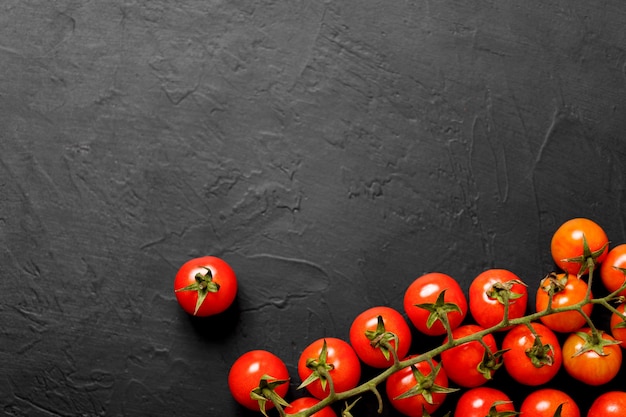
{"x": 546, "y": 401}
{"x": 340, "y": 361}
{"x": 405, "y": 379}
{"x": 609, "y": 404}
{"x": 568, "y": 290}
{"x": 532, "y": 359}
{"x": 486, "y": 300}
{"x": 618, "y": 331}
{"x": 478, "y": 402}
{"x": 304, "y": 403}
{"x": 205, "y": 286}
{"x": 567, "y": 245}
{"x": 247, "y": 371}
{"x": 610, "y": 274}
{"x": 371, "y": 349}
{"x": 425, "y": 290}
{"x": 462, "y": 362}
{"x": 589, "y": 366}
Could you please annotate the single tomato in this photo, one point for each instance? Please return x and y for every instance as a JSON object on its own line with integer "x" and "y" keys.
{"x": 609, "y": 404}
{"x": 304, "y": 403}
{"x": 205, "y": 286}
{"x": 328, "y": 358}
{"x": 483, "y": 402}
{"x": 611, "y": 268}
{"x": 254, "y": 371}
{"x": 414, "y": 389}
{"x": 489, "y": 292}
{"x": 469, "y": 364}
{"x": 618, "y": 326}
{"x": 546, "y": 402}
{"x": 532, "y": 357}
{"x": 424, "y": 307}
{"x": 565, "y": 290}
{"x": 576, "y": 243}
{"x": 594, "y": 362}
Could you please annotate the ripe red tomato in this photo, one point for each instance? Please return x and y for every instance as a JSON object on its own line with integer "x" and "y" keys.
{"x": 304, "y": 403}
{"x": 546, "y": 401}
{"x": 205, "y": 286}
{"x": 589, "y": 366}
{"x": 464, "y": 363}
{"x": 618, "y": 332}
{"x": 613, "y": 278}
{"x": 567, "y": 289}
{"x": 368, "y": 339}
{"x": 247, "y": 371}
{"x": 478, "y": 402}
{"x": 410, "y": 378}
{"x": 337, "y": 358}
{"x": 531, "y": 359}
{"x": 486, "y": 294}
{"x": 424, "y": 291}
{"x": 609, "y": 404}
{"x": 568, "y": 245}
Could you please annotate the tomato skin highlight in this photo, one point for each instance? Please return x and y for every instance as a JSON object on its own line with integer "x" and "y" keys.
{"x": 575, "y": 290}
{"x": 403, "y": 380}
{"x": 368, "y": 320}
{"x": 611, "y": 277}
{"x": 246, "y": 373}
{"x": 461, "y": 362}
{"x": 304, "y": 403}
{"x": 346, "y": 371}
{"x": 567, "y": 243}
{"x": 215, "y": 302}
{"x": 589, "y": 367}
{"x": 489, "y": 311}
{"x": 544, "y": 403}
{"x": 476, "y": 402}
{"x": 609, "y": 404}
{"x": 518, "y": 342}
{"x": 426, "y": 289}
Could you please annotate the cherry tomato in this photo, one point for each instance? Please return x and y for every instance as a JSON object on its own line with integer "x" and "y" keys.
{"x": 546, "y": 401}
{"x": 333, "y": 356}
{"x": 567, "y": 289}
{"x": 609, "y": 404}
{"x": 304, "y": 403}
{"x": 246, "y": 375}
{"x": 568, "y": 245}
{"x": 205, "y": 286}
{"x": 369, "y": 339}
{"x": 618, "y": 331}
{"x": 464, "y": 364}
{"x": 478, "y": 402}
{"x": 610, "y": 274}
{"x": 532, "y": 359}
{"x": 409, "y": 378}
{"x": 487, "y": 294}
{"x": 589, "y": 366}
{"x": 425, "y": 291}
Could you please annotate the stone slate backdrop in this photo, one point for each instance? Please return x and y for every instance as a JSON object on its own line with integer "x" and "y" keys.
{"x": 330, "y": 151}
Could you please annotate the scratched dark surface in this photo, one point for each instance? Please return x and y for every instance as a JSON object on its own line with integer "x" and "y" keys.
{"x": 331, "y": 152}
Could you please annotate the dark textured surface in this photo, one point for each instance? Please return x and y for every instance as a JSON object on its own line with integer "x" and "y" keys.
{"x": 331, "y": 152}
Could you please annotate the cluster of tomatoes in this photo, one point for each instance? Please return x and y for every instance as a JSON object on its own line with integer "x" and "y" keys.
{"x": 468, "y": 356}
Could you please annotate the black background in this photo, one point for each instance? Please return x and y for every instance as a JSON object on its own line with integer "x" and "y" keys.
{"x": 331, "y": 152}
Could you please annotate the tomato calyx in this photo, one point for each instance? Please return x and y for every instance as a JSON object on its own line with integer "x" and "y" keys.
{"x": 503, "y": 291}
{"x": 493, "y": 410}
{"x": 439, "y": 310}
{"x": 588, "y": 259}
{"x": 540, "y": 355}
{"x": 559, "y": 410}
{"x": 554, "y": 284}
{"x": 381, "y": 339}
{"x": 266, "y": 392}
{"x": 490, "y": 363}
{"x": 593, "y": 341}
{"x": 346, "y": 411}
{"x": 203, "y": 286}
{"x": 425, "y": 385}
{"x": 320, "y": 369}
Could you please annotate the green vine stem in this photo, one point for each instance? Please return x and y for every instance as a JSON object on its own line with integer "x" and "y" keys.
{"x": 372, "y": 384}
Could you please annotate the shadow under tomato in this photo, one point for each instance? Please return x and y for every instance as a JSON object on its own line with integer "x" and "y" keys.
{"x": 218, "y": 327}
